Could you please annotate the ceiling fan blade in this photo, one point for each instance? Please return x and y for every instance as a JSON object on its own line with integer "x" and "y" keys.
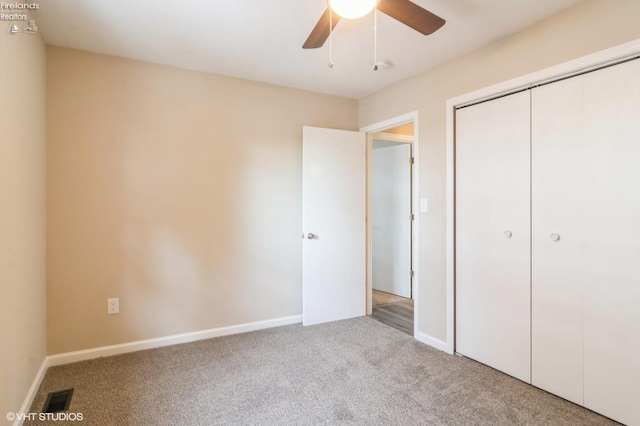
{"x": 320, "y": 32}
{"x": 411, "y": 15}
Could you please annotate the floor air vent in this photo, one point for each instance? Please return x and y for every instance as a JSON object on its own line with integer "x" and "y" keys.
{"x": 57, "y": 401}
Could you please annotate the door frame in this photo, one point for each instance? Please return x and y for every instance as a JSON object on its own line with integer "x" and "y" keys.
{"x": 405, "y": 140}
{"x": 380, "y": 127}
{"x": 565, "y": 69}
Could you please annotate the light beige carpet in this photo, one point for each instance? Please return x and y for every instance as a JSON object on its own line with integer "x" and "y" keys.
{"x": 352, "y": 372}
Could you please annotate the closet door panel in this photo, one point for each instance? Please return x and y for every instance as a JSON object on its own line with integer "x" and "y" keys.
{"x": 557, "y": 194}
{"x": 612, "y": 242}
{"x": 492, "y": 268}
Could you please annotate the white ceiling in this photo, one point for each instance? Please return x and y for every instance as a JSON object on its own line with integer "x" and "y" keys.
{"x": 262, "y": 39}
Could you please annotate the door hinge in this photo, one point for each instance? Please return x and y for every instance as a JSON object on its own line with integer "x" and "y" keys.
{"x": 412, "y": 274}
{"x": 413, "y": 160}
{"x": 412, "y": 217}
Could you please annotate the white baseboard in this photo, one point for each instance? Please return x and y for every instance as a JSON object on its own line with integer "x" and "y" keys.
{"x": 432, "y": 341}
{"x": 69, "y": 357}
{"x": 31, "y": 394}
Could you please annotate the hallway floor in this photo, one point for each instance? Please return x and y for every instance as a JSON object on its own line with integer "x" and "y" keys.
{"x": 394, "y": 311}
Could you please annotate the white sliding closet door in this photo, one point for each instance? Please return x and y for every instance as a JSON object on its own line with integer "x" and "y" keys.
{"x": 492, "y": 234}
{"x": 612, "y": 242}
{"x": 558, "y": 196}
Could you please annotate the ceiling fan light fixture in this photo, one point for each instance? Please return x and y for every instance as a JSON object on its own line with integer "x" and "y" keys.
{"x": 352, "y": 9}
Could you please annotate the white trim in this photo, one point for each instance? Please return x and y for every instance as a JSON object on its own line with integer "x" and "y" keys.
{"x": 565, "y": 69}
{"x": 392, "y": 122}
{"x": 432, "y": 341}
{"x": 69, "y": 357}
{"x": 450, "y": 228}
{"x": 410, "y": 117}
{"x": 369, "y": 228}
{"x": 31, "y": 394}
{"x": 585, "y": 63}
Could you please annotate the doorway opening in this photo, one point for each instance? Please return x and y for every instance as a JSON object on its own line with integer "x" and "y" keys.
{"x": 391, "y": 226}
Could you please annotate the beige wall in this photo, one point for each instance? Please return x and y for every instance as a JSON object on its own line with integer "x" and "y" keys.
{"x": 405, "y": 129}
{"x": 586, "y": 28}
{"x": 22, "y": 215}
{"x": 178, "y": 192}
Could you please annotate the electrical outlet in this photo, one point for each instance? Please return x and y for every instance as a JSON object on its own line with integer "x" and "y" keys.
{"x": 113, "y": 306}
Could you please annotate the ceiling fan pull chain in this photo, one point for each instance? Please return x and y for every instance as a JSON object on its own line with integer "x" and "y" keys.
{"x": 330, "y": 36}
{"x": 375, "y": 38}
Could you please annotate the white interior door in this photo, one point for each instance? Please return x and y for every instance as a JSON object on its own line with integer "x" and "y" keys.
{"x": 391, "y": 218}
{"x": 558, "y": 205}
{"x": 612, "y": 242}
{"x": 334, "y": 225}
{"x": 493, "y": 234}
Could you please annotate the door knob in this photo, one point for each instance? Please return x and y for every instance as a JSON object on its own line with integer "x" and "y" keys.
{"x": 555, "y": 237}
{"x": 311, "y": 236}
{"x": 508, "y": 234}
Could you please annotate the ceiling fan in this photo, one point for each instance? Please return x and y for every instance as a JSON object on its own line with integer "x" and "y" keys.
{"x": 404, "y": 11}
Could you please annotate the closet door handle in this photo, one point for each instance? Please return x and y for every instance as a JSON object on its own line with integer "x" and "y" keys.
{"x": 508, "y": 234}
{"x": 555, "y": 237}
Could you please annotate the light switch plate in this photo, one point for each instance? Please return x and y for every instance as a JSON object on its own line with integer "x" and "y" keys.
{"x": 424, "y": 205}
